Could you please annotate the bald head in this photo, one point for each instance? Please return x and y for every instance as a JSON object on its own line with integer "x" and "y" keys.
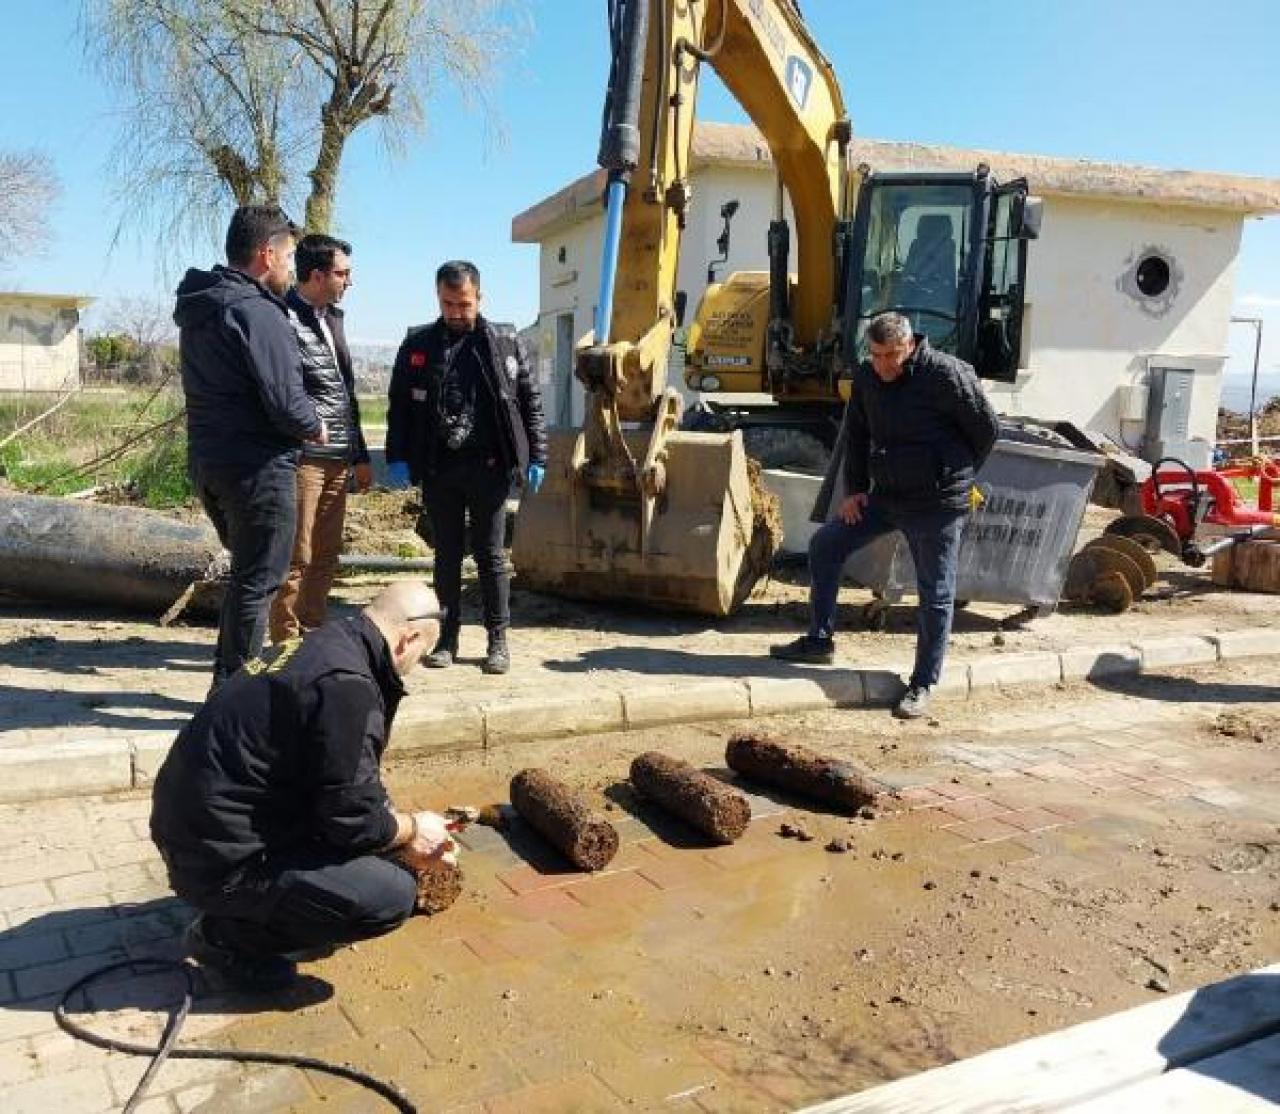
{"x": 408, "y": 615}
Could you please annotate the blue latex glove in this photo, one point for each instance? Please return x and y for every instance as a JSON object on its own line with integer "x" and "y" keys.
{"x": 397, "y": 474}
{"x": 533, "y": 478}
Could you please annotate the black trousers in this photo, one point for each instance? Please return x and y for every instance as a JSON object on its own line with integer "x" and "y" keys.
{"x": 255, "y": 514}
{"x": 477, "y": 492}
{"x": 304, "y": 900}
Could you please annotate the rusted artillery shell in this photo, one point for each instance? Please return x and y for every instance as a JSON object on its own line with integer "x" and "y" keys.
{"x": 438, "y": 887}
{"x": 697, "y": 798}
{"x": 799, "y": 769}
{"x": 561, "y": 817}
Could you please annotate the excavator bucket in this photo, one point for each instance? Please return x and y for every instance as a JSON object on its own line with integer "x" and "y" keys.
{"x": 710, "y": 539}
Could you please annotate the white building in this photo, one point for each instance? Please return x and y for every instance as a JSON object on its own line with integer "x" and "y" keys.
{"x": 1134, "y": 271}
{"x": 40, "y": 341}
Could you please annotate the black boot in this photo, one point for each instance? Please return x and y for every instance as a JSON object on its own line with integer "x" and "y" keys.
{"x": 446, "y": 649}
{"x": 498, "y": 659}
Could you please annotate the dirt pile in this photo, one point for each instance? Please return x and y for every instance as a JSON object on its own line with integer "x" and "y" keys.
{"x": 382, "y": 523}
{"x": 1233, "y": 426}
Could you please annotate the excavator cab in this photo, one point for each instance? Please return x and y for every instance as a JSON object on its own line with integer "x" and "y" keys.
{"x": 949, "y": 252}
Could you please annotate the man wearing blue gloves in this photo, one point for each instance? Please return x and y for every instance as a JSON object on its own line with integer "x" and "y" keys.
{"x": 465, "y": 421}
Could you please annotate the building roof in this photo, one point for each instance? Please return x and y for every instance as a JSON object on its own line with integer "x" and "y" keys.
{"x": 78, "y": 301}
{"x": 742, "y": 145}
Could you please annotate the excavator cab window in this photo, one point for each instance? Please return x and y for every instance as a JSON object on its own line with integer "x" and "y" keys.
{"x": 917, "y": 242}
{"x": 1013, "y": 220}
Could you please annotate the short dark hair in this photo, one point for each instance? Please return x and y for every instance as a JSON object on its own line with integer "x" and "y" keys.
{"x": 890, "y": 328}
{"x": 251, "y": 227}
{"x": 316, "y": 252}
{"x": 458, "y": 272}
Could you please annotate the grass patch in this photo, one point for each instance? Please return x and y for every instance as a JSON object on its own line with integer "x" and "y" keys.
{"x": 86, "y": 444}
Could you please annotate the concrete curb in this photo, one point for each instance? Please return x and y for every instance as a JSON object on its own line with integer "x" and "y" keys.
{"x": 94, "y": 766}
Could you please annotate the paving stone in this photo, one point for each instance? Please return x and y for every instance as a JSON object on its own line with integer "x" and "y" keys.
{"x": 1220, "y": 798}
{"x": 985, "y": 831}
{"x": 614, "y": 890}
{"x": 770, "y": 696}
{"x": 85, "y": 1091}
{"x": 1256, "y": 642}
{"x": 437, "y": 727}
{"x": 685, "y": 703}
{"x": 1090, "y": 662}
{"x": 1034, "y": 819}
{"x": 539, "y": 905}
{"x": 24, "y": 896}
{"x": 30, "y": 949}
{"x": 1015, "y": 669}
{"x": 1158, "y": 653}
{"x": 542, "y": 717}
{"x": 974, "y": 808}
{"x": 64, "y": 768}
{"x": 573, "y": 1093}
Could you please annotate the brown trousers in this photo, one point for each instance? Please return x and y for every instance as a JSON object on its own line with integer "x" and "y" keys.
{"x": 301, "y": 603}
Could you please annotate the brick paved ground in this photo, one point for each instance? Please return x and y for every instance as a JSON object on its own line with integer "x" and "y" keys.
{"x": 1051, "y": 859}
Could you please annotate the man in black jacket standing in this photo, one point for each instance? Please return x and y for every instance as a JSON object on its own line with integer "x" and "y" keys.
{"x": 247, "y": 416}
{"x": 465, "y": 421}
{"x": 323, "y": 265}
{"x": 269, "y": 810}
{"x": 916, "y": 430}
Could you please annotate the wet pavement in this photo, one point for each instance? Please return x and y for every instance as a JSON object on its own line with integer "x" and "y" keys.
{"x": 1050, "y": 858}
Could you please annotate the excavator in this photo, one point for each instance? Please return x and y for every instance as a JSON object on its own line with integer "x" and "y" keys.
{"x": 636, "y": 508}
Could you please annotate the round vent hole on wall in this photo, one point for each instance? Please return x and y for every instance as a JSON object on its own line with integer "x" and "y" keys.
{"x": 1153, "y": 275}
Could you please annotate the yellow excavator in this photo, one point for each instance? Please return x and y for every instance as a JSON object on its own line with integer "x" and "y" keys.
{"x": 633, "y": 507}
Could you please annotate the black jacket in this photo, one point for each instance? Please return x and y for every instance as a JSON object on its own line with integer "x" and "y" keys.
{"x": 329, "y": 380}
{"x": 285, "y": 753}
{"x": 240, "y": 371}
{"x": 513, "y": 393}
{"x": 915, "y": 443}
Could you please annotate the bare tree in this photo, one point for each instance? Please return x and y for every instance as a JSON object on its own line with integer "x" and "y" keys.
{"x": 28, "y": 188}
{"x": 231, "y": 98}
{"x": 207, "y": 114}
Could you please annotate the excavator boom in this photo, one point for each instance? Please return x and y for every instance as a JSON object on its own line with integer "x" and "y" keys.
{"x": 632, "y": 508}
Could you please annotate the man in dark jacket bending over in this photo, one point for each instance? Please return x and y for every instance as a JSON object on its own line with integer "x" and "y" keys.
{"x": 269, "y": 811}
{"x": 247, "y": 416}
{"x": 916, "y": 429}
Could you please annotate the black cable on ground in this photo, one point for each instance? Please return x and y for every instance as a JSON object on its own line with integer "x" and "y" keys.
{"x": 166, "y": 1049}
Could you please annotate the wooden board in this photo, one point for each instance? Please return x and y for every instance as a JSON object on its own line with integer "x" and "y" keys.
{"x": 1090, "y": 1061}
{"x": 1242, "y": 1081}
{"x": 1254, "y": 566}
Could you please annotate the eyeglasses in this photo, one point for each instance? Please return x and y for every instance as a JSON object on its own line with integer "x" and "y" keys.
{"x": 439, "y": 613}
{"x": 345, "y": 273}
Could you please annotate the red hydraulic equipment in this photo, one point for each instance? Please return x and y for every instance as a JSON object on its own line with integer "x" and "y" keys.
{"x": 1178, "y": 499}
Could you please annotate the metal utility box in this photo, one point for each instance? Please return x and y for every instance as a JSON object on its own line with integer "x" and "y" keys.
{"x": 1168, "y": 427}
{"x": 1017, "y": 545}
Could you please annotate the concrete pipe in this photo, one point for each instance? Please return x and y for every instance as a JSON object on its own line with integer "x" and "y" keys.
{"x": 66, "y": 552}
{"x": 790, "y": 766}
{"x": 696, "y": 797}
{"x": 557, "y": 813}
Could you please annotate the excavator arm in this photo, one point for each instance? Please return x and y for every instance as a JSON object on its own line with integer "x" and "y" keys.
{"x": 652, "y": 513}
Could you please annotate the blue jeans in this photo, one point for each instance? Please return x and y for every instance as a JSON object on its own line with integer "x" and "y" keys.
{"x": 934, "y": 540}
{"x": 254, "y": 513}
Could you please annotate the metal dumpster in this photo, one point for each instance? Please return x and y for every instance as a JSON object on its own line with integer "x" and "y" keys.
{"x": 1016, "y": 547}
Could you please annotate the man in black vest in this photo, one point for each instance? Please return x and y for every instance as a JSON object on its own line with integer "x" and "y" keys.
{"x": 465, "y": 421}
{"x": 247, "y": 416}
{"x": 916, "y": 429}
{"x": 269, "y": 810}
{"x": 324, "y": 274}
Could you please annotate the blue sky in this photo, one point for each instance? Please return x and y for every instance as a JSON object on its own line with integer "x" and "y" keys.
{"x": 1170, "y": 83}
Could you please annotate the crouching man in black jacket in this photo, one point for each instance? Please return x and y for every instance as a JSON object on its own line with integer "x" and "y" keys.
{"x": 916, "y": 430}
{"x": 269, "y": 811}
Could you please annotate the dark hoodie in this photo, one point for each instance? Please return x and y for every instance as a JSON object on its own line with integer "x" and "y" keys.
{"x": 241, "y": 372}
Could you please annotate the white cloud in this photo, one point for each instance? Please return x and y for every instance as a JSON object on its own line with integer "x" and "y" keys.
{"x": 1260, "y": 301}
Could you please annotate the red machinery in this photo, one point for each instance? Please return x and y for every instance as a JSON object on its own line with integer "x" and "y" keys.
{"x": 1177, "y": 500}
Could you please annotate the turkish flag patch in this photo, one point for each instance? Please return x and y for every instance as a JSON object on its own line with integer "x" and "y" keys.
{"x": 417, "y": 359}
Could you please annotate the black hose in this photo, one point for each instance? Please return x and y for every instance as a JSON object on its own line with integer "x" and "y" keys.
{"x": 166, "y": 1049}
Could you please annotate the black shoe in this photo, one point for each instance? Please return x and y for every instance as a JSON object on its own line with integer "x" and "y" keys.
{"x": 445, "y": 652}
{"x": 807, "y": 649}
{"x": 254, "y": 973}
{"x": 914, "y": 703}
{"x": 498, "y": 659}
